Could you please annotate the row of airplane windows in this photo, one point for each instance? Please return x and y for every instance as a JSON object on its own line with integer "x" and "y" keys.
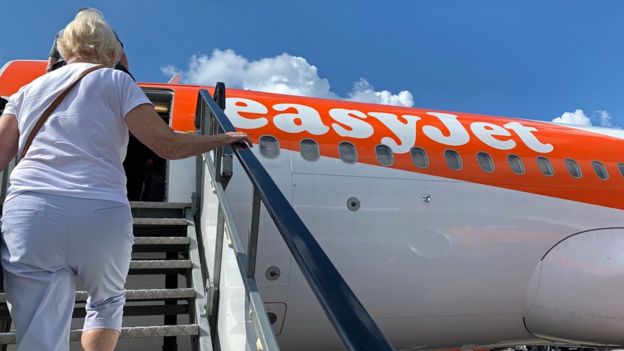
{"x": 309, "y": 150}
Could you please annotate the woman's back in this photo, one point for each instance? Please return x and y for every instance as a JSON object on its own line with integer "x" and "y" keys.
{"x": 80, "y": 149}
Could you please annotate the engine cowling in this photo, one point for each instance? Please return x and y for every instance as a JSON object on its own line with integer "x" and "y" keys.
{"x": 576, "y": 293}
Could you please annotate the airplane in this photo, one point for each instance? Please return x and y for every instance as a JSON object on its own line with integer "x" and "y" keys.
{"x": 455, "y": 230}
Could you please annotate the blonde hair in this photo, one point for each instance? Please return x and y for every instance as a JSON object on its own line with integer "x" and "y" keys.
{"x": 89, "y": 38}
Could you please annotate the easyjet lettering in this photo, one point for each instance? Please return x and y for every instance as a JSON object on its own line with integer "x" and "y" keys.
{"x": 297, "y": 118}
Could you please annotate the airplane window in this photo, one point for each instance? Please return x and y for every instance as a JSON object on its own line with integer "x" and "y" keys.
{"x": 516, "y": 164}
{"x": 309, "y": 150}
{"x": 621, "y": 168}
{"x": 419, "y": 157}
{"x": 347, "y": 152}
{"x": 269, "y": 147}
{"x": 600, "y": 170}
{"x": 545, "y": 166}
{"x": 485, "y": 162}
{"x": 453, "y": 160}
{"x": 573, "y": 168}
{"x": 384, "y": 155}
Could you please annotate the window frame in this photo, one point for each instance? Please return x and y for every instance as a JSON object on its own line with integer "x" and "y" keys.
{"x": 489, "y": 158}
{"x": 355, "y": 153}
{"x": 550, "y": 165}
{"x": 279, "y": 149}
{"x": 604, "y": 168}
{"x": 576, "y": 164}
{"x": 426, "y": 157}
{"x": 392, "y": 160}
{"x": 523, "y": 168}
{"x": 318, "y": 149}
{"x": 461, "y": 163}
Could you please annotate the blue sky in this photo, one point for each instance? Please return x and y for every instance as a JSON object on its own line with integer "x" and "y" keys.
{"x": 534, "y": 59}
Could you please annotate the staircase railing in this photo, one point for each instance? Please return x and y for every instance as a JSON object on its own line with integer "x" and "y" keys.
{"x": 350, "y": 319}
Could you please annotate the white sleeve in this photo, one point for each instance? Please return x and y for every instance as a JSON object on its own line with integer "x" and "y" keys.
{"x": 132, "y": 96}
{"x": 14, "y": 104}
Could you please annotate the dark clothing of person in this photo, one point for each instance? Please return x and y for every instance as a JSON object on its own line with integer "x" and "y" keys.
{"x": 118, "y": 66}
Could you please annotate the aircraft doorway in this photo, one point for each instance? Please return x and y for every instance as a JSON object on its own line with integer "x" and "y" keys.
{"x": 145, "y": 171}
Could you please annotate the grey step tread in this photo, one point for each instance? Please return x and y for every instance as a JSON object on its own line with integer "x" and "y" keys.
{"x": 127, "y": 332}
{"x": 140, "y": 294}
{"x": 167, "y": 205}
{"x": 161, "y": 240}
{"x": 159, "y": 221}
{"x": 160, "y": 264}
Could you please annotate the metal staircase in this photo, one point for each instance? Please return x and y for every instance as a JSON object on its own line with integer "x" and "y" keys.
{"x": 185, "y": 279}
{"x": 166, "y": 251}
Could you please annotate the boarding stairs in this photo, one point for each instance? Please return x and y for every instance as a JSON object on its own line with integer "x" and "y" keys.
{"x": 182, "y": 249}
{"x": 164, "y": 286}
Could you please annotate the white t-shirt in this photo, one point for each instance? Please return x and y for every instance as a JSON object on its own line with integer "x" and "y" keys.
{"x": 80, "y": 149}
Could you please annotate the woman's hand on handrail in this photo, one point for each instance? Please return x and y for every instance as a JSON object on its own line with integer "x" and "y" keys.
{"x": 237, "y": 139}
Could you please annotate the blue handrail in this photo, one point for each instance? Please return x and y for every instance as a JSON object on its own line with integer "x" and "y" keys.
{"x": 352, "y": 322}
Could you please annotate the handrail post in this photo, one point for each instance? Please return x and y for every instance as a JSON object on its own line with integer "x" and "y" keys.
{"x": 214, "y": 286}
{"x": 200, "y": 128}
{"x": 252, "y": 246}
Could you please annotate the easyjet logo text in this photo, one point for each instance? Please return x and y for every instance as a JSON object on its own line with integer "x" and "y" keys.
{"x": 352, "y": 123}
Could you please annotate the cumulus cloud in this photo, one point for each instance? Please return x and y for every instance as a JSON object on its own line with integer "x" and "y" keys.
{"x": 283, "y": 74}
{"x": 363, "y": 91}
{"x": 604, "y": 118}
{"x": 579, "y": 118}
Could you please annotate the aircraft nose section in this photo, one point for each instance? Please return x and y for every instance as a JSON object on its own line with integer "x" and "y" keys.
{"x": 576, "y": 293}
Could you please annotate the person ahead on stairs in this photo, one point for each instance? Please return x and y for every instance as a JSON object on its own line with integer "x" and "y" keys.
{"x": 66, "y": 212}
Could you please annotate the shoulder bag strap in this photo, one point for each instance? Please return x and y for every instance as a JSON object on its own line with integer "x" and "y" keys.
{"x": 46, "y": 114}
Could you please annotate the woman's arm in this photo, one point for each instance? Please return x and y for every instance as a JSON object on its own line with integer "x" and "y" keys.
{"x": 9, "y": 137}
{"x": 151, "y": 130}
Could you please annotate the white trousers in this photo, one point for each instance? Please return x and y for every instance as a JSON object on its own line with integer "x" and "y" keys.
{"x": 47, "y": 239}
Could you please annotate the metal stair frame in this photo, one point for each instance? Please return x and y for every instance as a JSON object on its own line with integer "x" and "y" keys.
{"x": 203, "y": 341}
{"x": 350, "y": 319}
{"x": 226, "y": 228}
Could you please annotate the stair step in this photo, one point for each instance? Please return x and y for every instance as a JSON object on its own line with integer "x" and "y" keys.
{"x": 159, "y": 222}
{"x": 161, "y": 240}
{"x": 160, "y": 205}
{"x": 140, "y": 294}
{"x": 161, "y": 264}
{"x": 159, "y": 226}
{"x": 159, "y": 209}
{"x": 127, "y": 332}
{"x": 160, "y": 294}
{"x": 160, "y": 244}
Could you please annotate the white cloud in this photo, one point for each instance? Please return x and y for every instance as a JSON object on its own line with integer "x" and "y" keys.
{"x": 363, "y": 91}
{"x": 169, "y": 70}
{"x": 605, "y": 119}
{"x": 283, "y": 74}
{"x": 579, "y": 118}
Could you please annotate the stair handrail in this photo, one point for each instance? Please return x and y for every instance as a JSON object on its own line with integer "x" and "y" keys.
{"x": 350, "y": 319}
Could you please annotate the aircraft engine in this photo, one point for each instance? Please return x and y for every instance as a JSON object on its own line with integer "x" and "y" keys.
{"x": 576, "y": 293}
